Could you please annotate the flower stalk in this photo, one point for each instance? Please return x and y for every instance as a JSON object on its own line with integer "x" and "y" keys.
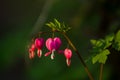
{"x": 82, "y": 61}
{"x": 101, "y": 71}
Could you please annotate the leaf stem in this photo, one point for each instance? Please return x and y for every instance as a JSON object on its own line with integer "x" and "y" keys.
{"x": 79, "y": 56}
{"x": 101, "y": 71}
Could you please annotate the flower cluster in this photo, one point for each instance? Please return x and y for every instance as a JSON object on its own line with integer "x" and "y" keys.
{"x": 52, "y": 44}
{"x": 38, "y": 44}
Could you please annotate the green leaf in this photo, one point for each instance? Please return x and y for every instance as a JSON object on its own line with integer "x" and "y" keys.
{"x": 109, "y": 38}
{"x": 116, "y": 44}
{"x": 107, "y": 44}
{"x": 51, "y": 25}
{"x": 117, "y": 37}
{"x": 57, "y": 23}
{"x": 95, "y": 50}
{"x": 103, "y": 43}
{"x": 100, "y": 43}
{"x": 95, "y": 59}
{"x": 101, "y": 57}
{"x": 93, "y": 42}
{"x": 48, "y": 25}
{"x": 106, "y": 52}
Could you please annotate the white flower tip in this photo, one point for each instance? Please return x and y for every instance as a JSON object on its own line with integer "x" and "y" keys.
{"x": 39, "y": 53}
{"x": 52, "y": 55}
{"x": 68, "y": 61}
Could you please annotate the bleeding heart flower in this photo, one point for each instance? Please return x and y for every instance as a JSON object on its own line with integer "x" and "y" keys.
{"x": 53, "y": 44}
{"x": 39, "y": 42}
{"x": 31, "y": 51}
{"x": 68, "y": 55}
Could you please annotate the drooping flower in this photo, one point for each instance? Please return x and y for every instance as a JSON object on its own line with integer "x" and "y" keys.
{"x": 31, "y": 51}
{"x": 39, "y": 43}
{"x": 53, "y": 44}
{"x": 68, "y": 55}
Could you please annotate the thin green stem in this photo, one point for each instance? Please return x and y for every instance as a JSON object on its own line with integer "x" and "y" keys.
{"x": 101, "y": 71}
{"x": 82, "y": 61}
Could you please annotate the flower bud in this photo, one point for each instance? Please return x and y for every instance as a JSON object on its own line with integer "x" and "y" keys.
{"x": 31, "y": 51}
{"x": 68, "y": 55}
{"x": 39, "y": 42}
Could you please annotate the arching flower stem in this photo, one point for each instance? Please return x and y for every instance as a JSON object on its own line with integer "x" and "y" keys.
{"x": 79, "y": 56}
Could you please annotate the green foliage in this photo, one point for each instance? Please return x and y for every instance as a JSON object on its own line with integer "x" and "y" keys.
{"x": 117, "y": 38}
{"x": 109, "y": 37}
{"x": 100, "y": 49}
{"x": 109, "y": 40}
{"x": 57, "y": 26}
{"x": 101, "y": 57}
{"x": 98, "y": 43}
{"x": 116, "y": 44}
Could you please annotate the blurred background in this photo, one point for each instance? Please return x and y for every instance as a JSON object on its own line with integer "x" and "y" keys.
{"x": 89, "y": 19}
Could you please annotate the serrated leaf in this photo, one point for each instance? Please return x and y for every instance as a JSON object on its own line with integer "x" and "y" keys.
{"x": 101, "y": 57}
{"x": 95, "y": 59}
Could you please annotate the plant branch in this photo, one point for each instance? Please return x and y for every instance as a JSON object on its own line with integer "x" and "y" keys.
{"x": 101, "y": 71}
{"x": 82, "y": 61}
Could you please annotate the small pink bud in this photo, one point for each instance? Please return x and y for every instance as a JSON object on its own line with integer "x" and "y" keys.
{"x": 31, "y": 51}
{"x": 33, "y": 47}
{"x": 68, "y": 55}
{"x": 39, "y": 42}
{"x": 52, "y": 44}
{"x": 31, "y": 54}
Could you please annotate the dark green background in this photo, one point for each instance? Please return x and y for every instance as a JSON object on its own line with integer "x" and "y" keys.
{"x": 88, "y": 19}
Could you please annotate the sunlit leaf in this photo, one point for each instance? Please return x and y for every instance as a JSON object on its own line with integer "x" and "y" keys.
{"x": 101, "y": 57}
{"x": 56, "y": 25}
{"x": 95, "y": 59}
